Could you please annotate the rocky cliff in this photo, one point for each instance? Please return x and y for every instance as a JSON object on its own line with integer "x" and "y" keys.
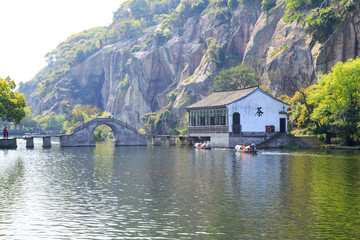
{"x": 283, "y": 54}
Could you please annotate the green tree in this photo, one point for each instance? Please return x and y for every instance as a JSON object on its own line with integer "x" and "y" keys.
{"x": 233, "y": 4}
{"x": 80, "y": 56}
{"x": 266, "y": 5}
{"x": 81, "y": 114}
{"x": 322, "y": 24}
{"x": 336, "y": 98}
{"x": 139, "y": 9}
{"x": 161, "y": 36}
{"x": 28, "y": 121}
{"x": 237, "y": 77}
{"x": 102, "y": 132}
{"x": 294, "y": 10}
{"x": 12, "y": 103}
{"x": 124, "y": 85}
{"x": 162, "y": 122}
{"x": 52, "y": 122}
{"x": 300, "y": 110}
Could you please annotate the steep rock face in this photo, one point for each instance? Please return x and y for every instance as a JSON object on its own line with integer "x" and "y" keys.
{"x": 341, "y": 46}
{"x": 282, "y": 53}
{"x": 233, "y": 34}
{"x": 87, "y": 78}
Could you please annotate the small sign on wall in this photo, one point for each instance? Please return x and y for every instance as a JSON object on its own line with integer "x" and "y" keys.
{"x": 259, "y": 112}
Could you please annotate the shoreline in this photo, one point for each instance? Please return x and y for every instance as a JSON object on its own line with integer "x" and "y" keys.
{"x": 339, "y": 147}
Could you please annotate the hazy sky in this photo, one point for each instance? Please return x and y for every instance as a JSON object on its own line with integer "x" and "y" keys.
{"x": 31, "y": 28}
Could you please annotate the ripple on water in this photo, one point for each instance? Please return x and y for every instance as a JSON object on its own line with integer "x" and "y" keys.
{"x": 177, "y": 193}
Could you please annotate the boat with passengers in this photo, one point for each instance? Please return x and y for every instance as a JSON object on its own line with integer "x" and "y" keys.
{"x": 247, "y": 149}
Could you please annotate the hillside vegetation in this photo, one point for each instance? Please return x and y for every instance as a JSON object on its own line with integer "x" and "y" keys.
{"x": 129, "y": 21}
{"x": 134, "y": 16}
{"x": 157, "y": 57}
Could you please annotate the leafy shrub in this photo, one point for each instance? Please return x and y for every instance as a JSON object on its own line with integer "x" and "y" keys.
{"x": 216, "y": 53}
{"x": 323, "y": 24}
{"x": 161, "y": 36}
{"x": 157, "y": 19}
{"x": 188, "y": 79}
{"x": 325, "y": 15}
{"x": 221, "y": 14}
{"x": 162, "y": 122}
{"x": 232, "y": 4}
{"x": 135, "y": 48}
{"x": 278, "y": 50}
{"x": 124, "y": 85}
{"x": 267, "y": 5}
{"x": 141, "y": 131}
{"x": 172, "y": 95}
{"x": 293, "y": 10}
{"x": 186, "y": 9}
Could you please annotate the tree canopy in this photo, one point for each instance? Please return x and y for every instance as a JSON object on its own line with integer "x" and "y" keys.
{"x": 336, "y": 98}
{"x": 240, "y": 76}
{"x": 12, "y": 103}
{"x": 330, "y": 107}
{"x": 53, "y": 122}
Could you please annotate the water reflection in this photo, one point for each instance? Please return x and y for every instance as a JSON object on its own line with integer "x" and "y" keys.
{"x": 11, "y": 182}
{"x": 178, "y": 193}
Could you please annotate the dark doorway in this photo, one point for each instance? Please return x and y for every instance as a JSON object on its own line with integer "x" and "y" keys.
{"x": 236, "y": 123}
{"x": 282, "y": 125}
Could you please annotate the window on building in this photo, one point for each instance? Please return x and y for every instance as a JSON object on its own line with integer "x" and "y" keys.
{"x": 212, "y": 120}
{"x": 208, "y": 117}
{"x": 192, "y": 121}
{"x": 222, "y": 120}
{"x": 202, "y": 120}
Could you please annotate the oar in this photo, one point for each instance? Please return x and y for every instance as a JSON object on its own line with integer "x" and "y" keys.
{"x": 217, "y": 145}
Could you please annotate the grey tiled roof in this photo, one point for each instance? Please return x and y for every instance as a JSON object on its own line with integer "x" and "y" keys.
{"x": 220, "y": 99}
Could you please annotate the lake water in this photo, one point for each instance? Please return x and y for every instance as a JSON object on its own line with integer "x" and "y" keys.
{"x": 177, "y": 193}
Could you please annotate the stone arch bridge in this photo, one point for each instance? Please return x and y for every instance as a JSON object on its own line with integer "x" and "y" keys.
{"x": 83, "y": 136}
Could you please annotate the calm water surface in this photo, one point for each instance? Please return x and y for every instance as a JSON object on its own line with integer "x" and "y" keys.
{"x": 177, "y": 193}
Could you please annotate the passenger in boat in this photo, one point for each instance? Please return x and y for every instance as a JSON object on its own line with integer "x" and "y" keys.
{"x": 253, "y": 147}
{"x": 200, "y": 144}
{"x": 208, "y": 144}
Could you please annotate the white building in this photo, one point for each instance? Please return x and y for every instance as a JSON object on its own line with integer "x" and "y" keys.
{"x": 237, "y": 117}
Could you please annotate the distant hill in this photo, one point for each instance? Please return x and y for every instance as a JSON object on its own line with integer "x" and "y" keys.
{"x": 160, "y": 56}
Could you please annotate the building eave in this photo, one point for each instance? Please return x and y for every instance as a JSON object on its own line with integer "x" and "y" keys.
{"x": 205, "y": 108}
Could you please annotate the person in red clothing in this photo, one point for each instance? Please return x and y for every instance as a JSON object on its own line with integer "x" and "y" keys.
{"x": 6, "y": 133}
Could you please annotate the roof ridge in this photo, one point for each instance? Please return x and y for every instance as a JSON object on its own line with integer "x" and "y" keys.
{"x": 237, "y": 89}
{"x": 221, "y": 99}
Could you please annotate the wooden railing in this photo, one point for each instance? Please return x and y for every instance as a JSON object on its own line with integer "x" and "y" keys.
{"x": 208, "y": 129}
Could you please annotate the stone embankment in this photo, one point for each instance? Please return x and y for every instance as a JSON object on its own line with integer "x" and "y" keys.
{"x": 8, "y": 143}
{"x": 282, "y": 140}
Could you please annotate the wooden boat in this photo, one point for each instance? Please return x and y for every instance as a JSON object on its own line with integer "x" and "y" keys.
{"x": 203, "y": 146}
{"x": 247, "y": 149}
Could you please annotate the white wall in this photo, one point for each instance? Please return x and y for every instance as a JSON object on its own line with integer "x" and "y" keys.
{"x": 247, "y": 107}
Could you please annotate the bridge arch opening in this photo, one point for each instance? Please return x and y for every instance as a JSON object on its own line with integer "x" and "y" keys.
{"x": 83, "y": 135}
{"x": 104, "y": 132}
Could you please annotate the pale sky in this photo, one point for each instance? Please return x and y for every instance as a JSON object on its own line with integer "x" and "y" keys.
{"x": 31, "y": 28}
